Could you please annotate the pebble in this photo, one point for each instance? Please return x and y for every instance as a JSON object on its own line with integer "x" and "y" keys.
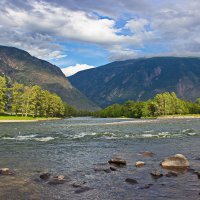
{"x": 45, "y": 176}
{"x": 117, "y": 161}
{"x": 156, "y": 174}
{"x": 139, "y": 164}
{"x": 6, "y": 171}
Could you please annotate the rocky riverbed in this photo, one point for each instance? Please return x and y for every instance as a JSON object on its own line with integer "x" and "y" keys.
{"x": 55, "y": 160}
{"x": 175, "y": 166}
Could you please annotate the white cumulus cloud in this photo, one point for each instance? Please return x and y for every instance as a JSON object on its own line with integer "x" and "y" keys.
{"x": 71, "y": 70}
{"x": 119, "y": 27}
{"x": 42, "y": 25}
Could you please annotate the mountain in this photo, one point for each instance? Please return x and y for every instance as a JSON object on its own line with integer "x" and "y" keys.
{"x": 140, "y": 79}
{"x": 20, "y": 66}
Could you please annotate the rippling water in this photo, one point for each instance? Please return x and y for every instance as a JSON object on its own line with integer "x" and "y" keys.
{"x": 75, "y": 147}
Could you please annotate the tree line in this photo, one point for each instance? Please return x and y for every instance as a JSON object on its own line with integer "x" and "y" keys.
{"x": 19, "y": 99}
{"x": 162, "y": 104}
{"x": 23, "y": 100}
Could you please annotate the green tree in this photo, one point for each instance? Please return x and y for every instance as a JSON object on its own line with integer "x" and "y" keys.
{"x": 70, "y": 111}
{"x": 137, "y": 109}
{"x": 3, "y": 90}
{"x": 55, "y": 106}
{"x": 127, "y": 109}
{"x": 36, "y": 101}
{"x": 162, "y": 104}
{"x": 198, "y": 101}
{"x": 26, "y": 104}
{"x": 17, "y": 98}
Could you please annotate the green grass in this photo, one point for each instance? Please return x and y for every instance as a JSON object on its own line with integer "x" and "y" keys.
{"x": 12, "y": 117}
{"x": 181, "y": 115}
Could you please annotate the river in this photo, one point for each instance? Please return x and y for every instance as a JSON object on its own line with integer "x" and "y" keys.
{"x": 75, "y": 147}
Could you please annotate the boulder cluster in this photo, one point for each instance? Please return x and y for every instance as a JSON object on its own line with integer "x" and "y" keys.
{"x": 172, "y": 166}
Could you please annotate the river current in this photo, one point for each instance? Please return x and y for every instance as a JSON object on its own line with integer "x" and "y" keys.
{"x": 75, "y": 147}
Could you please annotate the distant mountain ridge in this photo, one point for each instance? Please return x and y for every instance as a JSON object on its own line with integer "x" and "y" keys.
{"x": 140, "y": 79}
{"x": 20, "y": 66}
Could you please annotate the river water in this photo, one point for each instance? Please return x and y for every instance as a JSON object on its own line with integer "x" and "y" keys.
{"x": 75, "y": 147}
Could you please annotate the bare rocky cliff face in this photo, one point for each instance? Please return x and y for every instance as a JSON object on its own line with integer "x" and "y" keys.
{"x": 140, "y": 79}
{"x": 20, "y": 66}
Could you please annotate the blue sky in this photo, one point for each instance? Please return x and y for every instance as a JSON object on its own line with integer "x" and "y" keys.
{"x": 80, "y": 34}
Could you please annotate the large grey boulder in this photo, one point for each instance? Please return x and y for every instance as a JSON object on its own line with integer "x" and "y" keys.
{"x": 176, "y": 161}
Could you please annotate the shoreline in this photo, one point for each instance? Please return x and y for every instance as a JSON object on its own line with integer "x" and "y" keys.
{"x": 179, "y": 117}
{"x": 122, "y": 118}
{"x": 163, "y": 117}
{"x": 11, "y": 121}
{"x": 25, "y": 120}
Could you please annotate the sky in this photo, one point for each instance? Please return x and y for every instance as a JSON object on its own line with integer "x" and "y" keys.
{"x": 81, "y": 34}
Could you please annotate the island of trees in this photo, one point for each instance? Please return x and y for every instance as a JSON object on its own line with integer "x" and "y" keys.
{"x": 161, "y": 105}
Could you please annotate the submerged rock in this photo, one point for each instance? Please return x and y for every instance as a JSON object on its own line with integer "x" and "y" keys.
{"x": 176, "y": 161}
{"x": 6, "y": 171}
{"x": 139, "y": 163}
{"x": 147, "y": 186}
{"x": 131, "y": 181}
{"x": 171, "y": 174}
{"x": 82, "y": 189}
{"x": 156, "y": 174}
{"x": 107, "y": 170}
{"x": 78, "y": 184}
{"x": 148, "y": 154}
{"x": 45, "y": 176}
{"x": 198, "y": 174}
{"x": 117, "y": 161}
{"x": 57, "y": 180}
{"x": 197, "y": 158}
{"x": 191, "y": 171}
{"x": 113, "y": 168}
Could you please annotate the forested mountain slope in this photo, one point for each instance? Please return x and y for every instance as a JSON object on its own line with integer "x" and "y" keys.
{"x": 140, "y": 79}
{"x": 20, "y": 66}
